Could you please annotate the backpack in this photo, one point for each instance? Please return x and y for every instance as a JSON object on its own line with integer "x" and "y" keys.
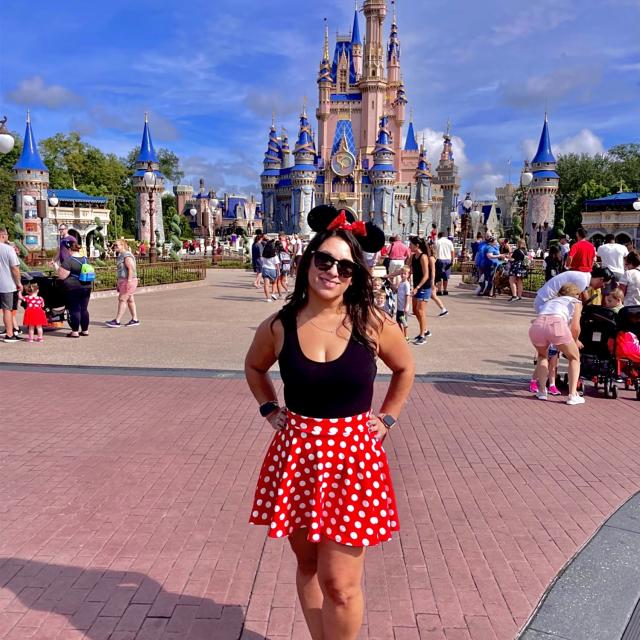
{"x": 87, "y": 272}
{"x": 269, "y": 250}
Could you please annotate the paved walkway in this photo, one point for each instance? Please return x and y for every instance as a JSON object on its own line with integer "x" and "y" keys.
{"x": 211, "y": 327}
{"x": 124, "y": 504}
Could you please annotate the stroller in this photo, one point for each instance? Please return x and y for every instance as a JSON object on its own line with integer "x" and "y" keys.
{"x": 51, "y": 292}
{"x": 598, "y": 363}
{"x": 627, "y": 348}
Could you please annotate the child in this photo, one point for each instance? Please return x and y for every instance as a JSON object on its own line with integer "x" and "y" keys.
{"x": 34, "y": 315}
{"x": 404, "y": 298}
{"x": 558, "y": 324}
{"x": 285, "y": 266}
{"x": 614, "y": 300}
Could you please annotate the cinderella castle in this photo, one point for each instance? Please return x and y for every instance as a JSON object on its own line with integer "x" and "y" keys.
{"x": 362, "y": 160}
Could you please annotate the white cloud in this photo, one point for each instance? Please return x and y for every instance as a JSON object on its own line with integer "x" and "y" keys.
{"x": 544, "y": 15}
{"x": 584, "y": 141}
{"x": 34, "y": 93}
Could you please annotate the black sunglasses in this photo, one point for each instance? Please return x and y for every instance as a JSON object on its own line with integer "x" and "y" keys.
{"x": 325, "y": 261}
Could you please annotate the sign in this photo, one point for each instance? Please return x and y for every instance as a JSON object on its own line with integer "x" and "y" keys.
{"x": 31, "y": 227}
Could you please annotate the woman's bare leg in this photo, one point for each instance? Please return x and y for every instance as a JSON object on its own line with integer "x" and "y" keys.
{"x": 309, "y": 592}
{"x": 340, "y": 571}
{"x": 572, "y": 354}
{"x": 541, "y": 374}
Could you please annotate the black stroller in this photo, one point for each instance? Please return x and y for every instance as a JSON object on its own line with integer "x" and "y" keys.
{"x": 51, "y": 291}
{"x": 598, "y": 329}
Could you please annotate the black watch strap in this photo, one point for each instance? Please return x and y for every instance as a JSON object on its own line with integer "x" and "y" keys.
{"x": 268, "y": 407}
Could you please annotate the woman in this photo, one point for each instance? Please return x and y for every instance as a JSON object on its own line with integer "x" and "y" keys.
{"x": 284, "y": 256}
{"x": 325, "y": 482}
{"x": 517, "y": 271}
{"x": 77, "y": 293}
{"x": 422, "y": 275}
{"x": 270, "y": 270}
{"x": 553, "y": 262}
{"x": 630, "y": 282}
{"x": 558, "y": 324}
{"x": 434, "y": 293}
{"x": 127, "y": 285}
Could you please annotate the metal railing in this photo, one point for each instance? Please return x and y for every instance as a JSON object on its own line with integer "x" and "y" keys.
{"x": 531, "y": 282}
{"x": 154, "y": 274}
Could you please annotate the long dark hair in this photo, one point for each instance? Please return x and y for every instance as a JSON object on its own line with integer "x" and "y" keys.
{"x": 420, "y": 243}
{"x": 358, "y": 298}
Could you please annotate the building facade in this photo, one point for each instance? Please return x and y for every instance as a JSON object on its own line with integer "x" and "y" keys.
{"x": 541, "y": 194}
{"x": 147, "y": 160}
{"x": 203, "y": 210}
{"x": 33, "y": 201}
{"x": 615, "y": 214}
{"x": 363, "y": 161}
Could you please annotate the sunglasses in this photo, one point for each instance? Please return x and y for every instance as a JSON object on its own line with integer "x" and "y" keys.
{"x": 325, "y": 261}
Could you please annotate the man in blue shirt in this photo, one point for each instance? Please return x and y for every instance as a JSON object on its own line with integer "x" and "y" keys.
{"x": 490, "y": 256}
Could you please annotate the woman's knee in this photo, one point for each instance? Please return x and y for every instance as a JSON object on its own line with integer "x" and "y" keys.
{"x": 340, "y": 589}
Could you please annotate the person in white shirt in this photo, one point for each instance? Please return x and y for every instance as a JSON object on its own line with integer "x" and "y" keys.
{"x": 596, "y": 280}
{"x": 558, "y": 324}
{"x": 565, "y": 247}
{"x": 630, "y": 282}
{"x": 612, "y": 255}
{"x": 404, "y": 297}
{"x": 270, "y": 270}
{"x": 298, "y": 250}
{"x": 445, "y": 255}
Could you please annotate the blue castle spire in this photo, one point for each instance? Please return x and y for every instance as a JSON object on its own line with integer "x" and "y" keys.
{"x": 394, "y": 42}
{"x": 355, "y": 32}
{"x": 147, "y": 152}
{"x": 411, "y": 144}
{"x": 544, "y": 155}
{"x": 30, "y": 157}
{"x": 273, "y": 154}
{"x": 383, "y": 152}
{"x": 305, "y": 139}
{"x": 424, "y": 168}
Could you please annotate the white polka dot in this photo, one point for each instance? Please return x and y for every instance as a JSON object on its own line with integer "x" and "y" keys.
{"x": 374, "y": 520}
{"x": 255, "y": 514}
{"x": 365, "y": 542}
{"x": 315, "y": 537}
{"x": 354, "y": 535}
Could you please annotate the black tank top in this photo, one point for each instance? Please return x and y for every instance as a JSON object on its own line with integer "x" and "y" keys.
{"x": 336, "y": 389}
{"x": 418, "y": 273}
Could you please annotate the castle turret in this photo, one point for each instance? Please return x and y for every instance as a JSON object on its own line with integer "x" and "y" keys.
{"x": 285, "y": 151}
{"x": 356, "y": 44}
{"x": 147, "y": 160}
{"x": 393, "y": 54}
{"x": 542, "y": 192}
{"x": 448, "y": 180}
{"x": 411, "y": 144}
{"x": 32, "y": 181}
{"x": 383, "y": 177}
{"x": 373, "y": 84}
{"x": 303, "y": 177}
{"x": 325, "y": 85}
{"x": 270, "y": 177}
{"x": 422, "y": 201}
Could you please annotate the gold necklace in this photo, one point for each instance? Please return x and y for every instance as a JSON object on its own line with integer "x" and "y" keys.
{"x": 317, "y": 326}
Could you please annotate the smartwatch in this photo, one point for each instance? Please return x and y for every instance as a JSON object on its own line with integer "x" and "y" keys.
{"x": 388, "y": 421}
{"x": 268, "y": 407}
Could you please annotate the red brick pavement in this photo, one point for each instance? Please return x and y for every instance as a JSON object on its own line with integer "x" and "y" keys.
{"x": 123, "y": 513}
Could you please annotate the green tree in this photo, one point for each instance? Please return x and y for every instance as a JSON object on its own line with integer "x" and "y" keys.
{"x": 169, "y": 164}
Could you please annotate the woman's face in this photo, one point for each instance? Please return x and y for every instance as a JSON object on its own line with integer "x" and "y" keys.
{"x": 329, "y": 285}
{"x": 414, "y": 248}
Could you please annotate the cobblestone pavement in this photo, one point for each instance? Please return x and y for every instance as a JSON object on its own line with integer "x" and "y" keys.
{"x": 124, "y": 503}
{"x": 211, "y": 327}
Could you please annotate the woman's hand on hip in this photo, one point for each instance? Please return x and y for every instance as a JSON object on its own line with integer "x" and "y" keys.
{"x": 278, "y": 418}
{"x": 377, "y": 428}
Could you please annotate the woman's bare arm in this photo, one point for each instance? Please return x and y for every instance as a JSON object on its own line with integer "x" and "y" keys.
{"x": 260, "y": 358}
{"x": 395, "y": 353}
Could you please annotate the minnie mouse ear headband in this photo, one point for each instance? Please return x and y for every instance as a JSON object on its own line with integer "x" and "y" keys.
{"x": 326, "y": 218}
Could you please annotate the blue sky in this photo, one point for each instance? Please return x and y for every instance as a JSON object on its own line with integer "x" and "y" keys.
{"x": 211, "y": 73}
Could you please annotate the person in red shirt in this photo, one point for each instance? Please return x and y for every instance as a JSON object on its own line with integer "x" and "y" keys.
{"x": 582, "y": 254}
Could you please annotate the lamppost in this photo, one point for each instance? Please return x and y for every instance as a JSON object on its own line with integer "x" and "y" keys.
{"x": 6, "y": 139}
{"x": 42, "y": 214}
{"x": 150, "y": 180}
{"x": 636, "y": 204}
{"x": 467, "y": 205}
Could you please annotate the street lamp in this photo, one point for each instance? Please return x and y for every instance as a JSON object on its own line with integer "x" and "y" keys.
{"x": 150, "y": 180}
{"x": 636, "y": 204}
{"x": 526, "y": 178}
{"x": 467, "y": 205}
{"x": 6, "y": 139}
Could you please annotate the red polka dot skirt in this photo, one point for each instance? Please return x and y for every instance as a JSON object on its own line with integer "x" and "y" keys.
{"x": 330, "y": 476}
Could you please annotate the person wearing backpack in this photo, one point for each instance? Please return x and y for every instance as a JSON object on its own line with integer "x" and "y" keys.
{"x": 270, "y": 270}
{"x": 127, "y": 285}
{"x": 77, "y": 276}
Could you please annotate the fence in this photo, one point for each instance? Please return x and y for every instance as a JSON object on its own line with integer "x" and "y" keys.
{"x": 154, "y": 274}
{"x": 531, "y": 282}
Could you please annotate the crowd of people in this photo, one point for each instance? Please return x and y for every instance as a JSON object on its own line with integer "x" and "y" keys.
{"x": 407, "y": 275}
{"x": 72, "y": 287}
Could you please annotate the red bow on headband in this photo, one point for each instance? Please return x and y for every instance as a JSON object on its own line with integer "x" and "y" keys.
{"x": 358, "y": 228}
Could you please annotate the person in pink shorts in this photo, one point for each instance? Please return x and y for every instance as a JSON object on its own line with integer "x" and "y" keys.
{"x": 558, "y": 324}
{"x": 127, "y": 285}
